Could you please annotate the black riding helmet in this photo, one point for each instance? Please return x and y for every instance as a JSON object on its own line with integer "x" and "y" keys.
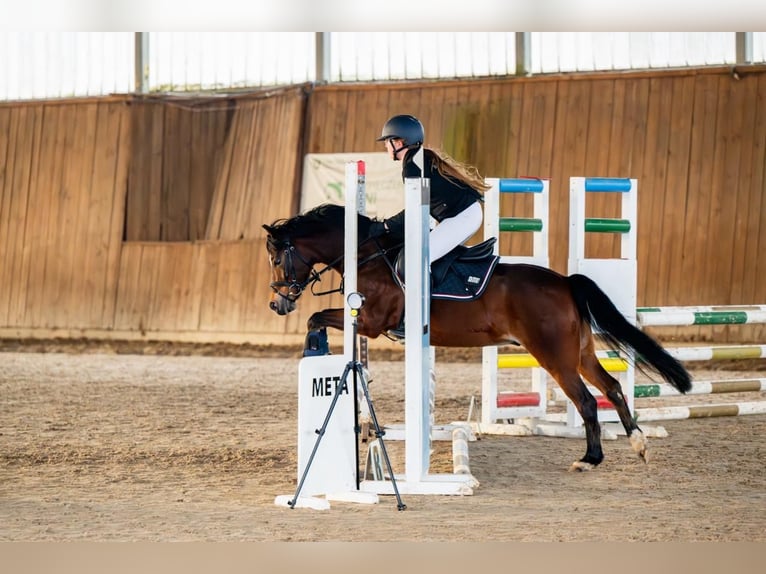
{"x": 405, "y": 127}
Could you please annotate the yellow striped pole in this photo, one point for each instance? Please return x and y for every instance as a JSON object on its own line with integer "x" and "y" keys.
{"x": 526, "y": 361}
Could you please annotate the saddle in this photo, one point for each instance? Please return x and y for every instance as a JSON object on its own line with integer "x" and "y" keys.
{"x": 462, "y": 274}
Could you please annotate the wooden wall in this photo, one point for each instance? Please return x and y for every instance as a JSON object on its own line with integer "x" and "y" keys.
{"x": 141, "y": 217}
{"x": 62, "y": 185}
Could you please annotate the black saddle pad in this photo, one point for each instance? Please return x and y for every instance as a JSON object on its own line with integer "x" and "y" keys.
{"x": 464, "y": 280}
{"x": 461, "y": 275}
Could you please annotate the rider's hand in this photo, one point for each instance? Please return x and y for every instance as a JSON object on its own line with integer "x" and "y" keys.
{"x": 377, "y": 228}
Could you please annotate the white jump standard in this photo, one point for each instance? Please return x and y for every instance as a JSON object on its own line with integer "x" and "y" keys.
{"x": 416, "y": 478}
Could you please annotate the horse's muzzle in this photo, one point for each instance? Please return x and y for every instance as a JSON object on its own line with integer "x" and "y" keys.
{"x": 282, "y": 305}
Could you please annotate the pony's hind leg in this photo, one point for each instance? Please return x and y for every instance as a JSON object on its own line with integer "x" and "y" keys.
{"x": 561, "y": 357}
{"x": 585, "y": 403}
{"x": 593, "y": 372}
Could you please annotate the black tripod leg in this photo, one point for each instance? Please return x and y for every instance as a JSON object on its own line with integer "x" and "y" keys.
{"x": 320, "y": 434}
{"x": 379, "y": 434}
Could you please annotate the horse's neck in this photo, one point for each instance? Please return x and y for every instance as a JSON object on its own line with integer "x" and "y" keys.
{"x": 325, "y": 251}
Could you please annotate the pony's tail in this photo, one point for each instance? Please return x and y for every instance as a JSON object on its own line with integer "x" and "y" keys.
{"x": 599, "y": 312}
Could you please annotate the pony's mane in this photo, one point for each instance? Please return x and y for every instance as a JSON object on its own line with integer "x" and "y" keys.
{"x": 321, "y": 219}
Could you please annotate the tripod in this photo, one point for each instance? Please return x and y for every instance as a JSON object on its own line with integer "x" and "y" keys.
{"x": 356, "y": 301}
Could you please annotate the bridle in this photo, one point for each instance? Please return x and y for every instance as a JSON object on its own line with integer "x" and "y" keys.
{"x": 295, "y": 288}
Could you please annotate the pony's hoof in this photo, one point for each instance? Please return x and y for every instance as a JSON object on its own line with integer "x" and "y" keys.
{"x": 638, "y": 443}
{"x": 581, "y": 466}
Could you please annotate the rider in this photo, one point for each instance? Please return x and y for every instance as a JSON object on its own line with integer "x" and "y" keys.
{"x": 455, "y": 188}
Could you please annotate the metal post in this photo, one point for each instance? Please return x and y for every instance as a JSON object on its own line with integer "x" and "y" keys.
{"x": 322, "y": 43}
{"x": 523, "y": 53}
{"x": 744, "y": 47}
{"x": 141, "y": 69}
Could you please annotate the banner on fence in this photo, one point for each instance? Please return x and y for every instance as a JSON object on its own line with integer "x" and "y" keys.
{"x": 324, "y": 176}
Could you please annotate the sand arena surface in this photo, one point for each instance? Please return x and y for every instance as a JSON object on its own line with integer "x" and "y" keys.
{"x": 101, "y": 446}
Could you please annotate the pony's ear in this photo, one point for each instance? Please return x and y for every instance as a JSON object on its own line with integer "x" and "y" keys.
{"x": 268, "y": 228}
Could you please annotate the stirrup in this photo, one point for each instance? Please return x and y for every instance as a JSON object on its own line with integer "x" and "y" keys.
{"x": 398, "y": 331}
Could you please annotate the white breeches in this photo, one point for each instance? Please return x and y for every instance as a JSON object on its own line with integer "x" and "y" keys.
{"x": 453, "y": 231}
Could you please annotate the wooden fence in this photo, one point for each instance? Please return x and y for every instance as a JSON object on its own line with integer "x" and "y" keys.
{"x": 140, "y": 217}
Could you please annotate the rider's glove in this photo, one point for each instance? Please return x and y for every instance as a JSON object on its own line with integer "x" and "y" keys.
{"x": 377, "y": 228}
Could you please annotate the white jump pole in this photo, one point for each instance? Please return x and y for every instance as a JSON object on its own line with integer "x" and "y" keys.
{"x": 417, "y": 356}
{"x": 417, "y": 193}
{"x": 355, "y": 204}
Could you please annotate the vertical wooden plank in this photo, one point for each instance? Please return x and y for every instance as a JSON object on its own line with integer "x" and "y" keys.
{"x": 120, "y": 119}
{"x": 493, "y": 125}
{"x": 536, "y": 117}
{"x": 129, "y": 295}
{"x": 165, "y": 285}
{"x": 509, "y": 165}
{"x": 208, "y": 289}
{"x": 198, "y": 262}
{"x": 144, "y": 208}
{"x": 38, "y": 218}
{"x": 19, "y": 198}
{"x": 207, "y": 126}
{"x": 674, "y": 211}
{"x": 223, "y": 175}
{"x": 700, "y": 174}
{"x": 746, "y": 218}
{"x": 754, "y": 248}
{"x": 8, "y": 134}
{"x": 265, "y": 133}
{"x": 23, "y": 149}
{"x": 69, "y": 240}
{"x": 652, "y": 186}
{"x": 140, "y": 185}
{"x": 630, "y": 140}
{"x": 572, "y": 132}
{"x": 729, "y": 124}
{"x": 153, "y": 207}
{"x": 243, "y": 155}
{"x": 83, "y": 276}
{"x": 181, "y": 282}
{"x": 220, "y": 310}
{"x": 175, "y": 175}
{"x": 97, "y": 236}
{"x": 26, "y": 255}
{"x": 601, "y": 245}
{"x": 151, "y": 265}
{"x": 746, "y": 201}
{"x": 725, "y": 199}
{"x": 616, "y": 139}
{"x": 258, "y": 175}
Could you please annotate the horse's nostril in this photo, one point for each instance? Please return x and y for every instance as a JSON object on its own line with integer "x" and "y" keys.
{"x": 273, "y": 305}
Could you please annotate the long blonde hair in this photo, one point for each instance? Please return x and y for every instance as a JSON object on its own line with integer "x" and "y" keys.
{"x": 453, "y": 169}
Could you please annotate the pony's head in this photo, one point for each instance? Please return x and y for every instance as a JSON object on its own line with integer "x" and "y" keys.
{"x": 295, "y": 245}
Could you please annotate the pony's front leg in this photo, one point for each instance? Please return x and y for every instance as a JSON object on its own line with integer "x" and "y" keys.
{"x": 327, "y": 318}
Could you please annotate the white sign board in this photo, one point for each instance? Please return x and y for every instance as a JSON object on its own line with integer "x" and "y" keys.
{"x": 333, "y": 469}
{"x": 324, "y": 176}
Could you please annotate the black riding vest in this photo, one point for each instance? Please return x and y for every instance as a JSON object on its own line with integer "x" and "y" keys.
{"x": 448, "y": 196}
